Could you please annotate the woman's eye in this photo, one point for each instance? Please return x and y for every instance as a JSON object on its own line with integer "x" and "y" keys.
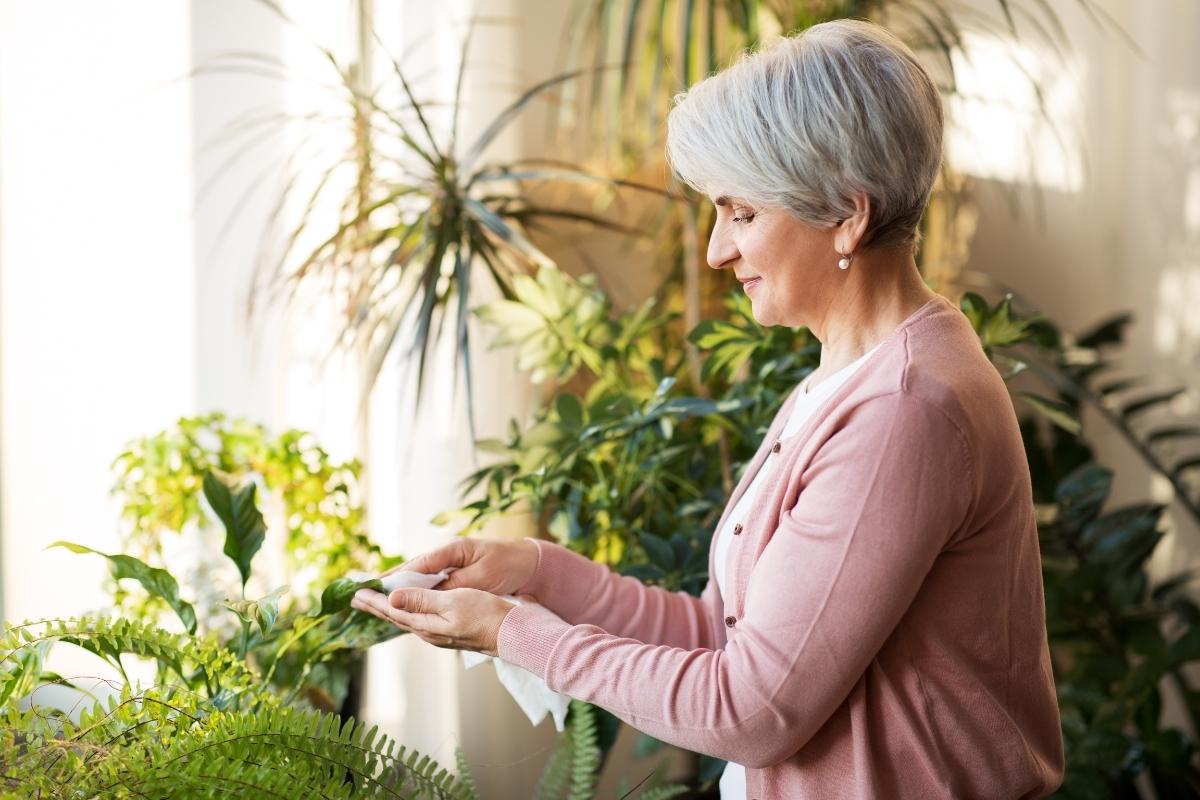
{"x": 746, "y": 216}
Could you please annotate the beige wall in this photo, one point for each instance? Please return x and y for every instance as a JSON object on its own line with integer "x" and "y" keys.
{"x": 1128, "y": 238}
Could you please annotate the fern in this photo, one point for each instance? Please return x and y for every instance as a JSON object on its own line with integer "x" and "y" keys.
{"x": 555, "y": 779}
{"x": 585, "y": 750}
{"x": 194, "y": 660}
{"x": 220, "y": 732}
{"x": 464, "y": 770}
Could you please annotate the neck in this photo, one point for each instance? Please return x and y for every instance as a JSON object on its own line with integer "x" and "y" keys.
{"x": 879, "y": 291}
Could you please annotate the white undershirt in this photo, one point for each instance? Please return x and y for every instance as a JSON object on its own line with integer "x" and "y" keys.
{"x": 733, "y": 779}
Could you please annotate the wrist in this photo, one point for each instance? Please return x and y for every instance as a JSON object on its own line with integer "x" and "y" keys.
{"x": 529, "y": 563}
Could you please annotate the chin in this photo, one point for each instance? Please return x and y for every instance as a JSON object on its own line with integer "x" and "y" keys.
{"x": 764, "y": 315}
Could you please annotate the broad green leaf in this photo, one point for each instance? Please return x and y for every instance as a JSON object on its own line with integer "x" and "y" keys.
{"x": 1081, "y": 494}
{"x": 659, "y": 550}
{"x": 157, "y": 582}
{"x": 244, "y": 526}
{"x": 337, "y": 595}
{"x": 570, "y": 411}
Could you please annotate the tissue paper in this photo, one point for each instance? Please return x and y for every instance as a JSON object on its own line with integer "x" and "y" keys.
{"x": 531, "y": 692}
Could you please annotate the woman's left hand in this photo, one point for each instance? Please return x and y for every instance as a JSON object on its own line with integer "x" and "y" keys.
{"x": 461, "y": 619}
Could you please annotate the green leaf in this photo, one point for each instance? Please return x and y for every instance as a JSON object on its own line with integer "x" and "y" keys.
{"x": 157, "y": 582}
{"x": 1172, "y": 432}
{"x": 1146, "y": 403}
{"x": 976, "y": 309}
{"x": 264, "y": 611}
{"x": 1125, "y": 537}
{"x": 570, "y": 411}
{"x": 337, "y": 595}
{"x": 1081, "y": 494}
{"x": 1058, "y": 413}
{"x": 1110, "y": 331}
{"x": 659, "y": 550}
{"x": 244, "y": 526}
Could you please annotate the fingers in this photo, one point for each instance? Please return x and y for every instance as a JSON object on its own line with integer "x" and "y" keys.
{"x": 457, "y": 554}
{"x": 377, "y": 605}
{"x": 417, "y": 601}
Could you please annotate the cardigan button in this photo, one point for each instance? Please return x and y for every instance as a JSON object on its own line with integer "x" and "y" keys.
{"x": 776, "y": 448}
{"x": 737, "y": 529}
{"x": 729, "y": 621}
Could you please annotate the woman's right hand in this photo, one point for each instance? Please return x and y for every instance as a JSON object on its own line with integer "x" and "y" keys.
{"x": 499, "y": 566}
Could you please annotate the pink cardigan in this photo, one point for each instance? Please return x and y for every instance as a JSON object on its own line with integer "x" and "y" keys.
{"x": 884, "y": 634}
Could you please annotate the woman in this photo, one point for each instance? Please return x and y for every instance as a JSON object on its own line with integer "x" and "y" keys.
{"x": 875, "y": 622}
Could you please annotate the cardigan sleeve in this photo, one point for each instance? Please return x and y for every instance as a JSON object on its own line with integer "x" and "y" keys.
{"x": 878, "y": 501}
{"x": 582, "y": 591}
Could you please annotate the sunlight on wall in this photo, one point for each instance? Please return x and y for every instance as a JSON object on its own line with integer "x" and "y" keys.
{"x": 1176, "y": 323}
{"x": 994, "y": 126}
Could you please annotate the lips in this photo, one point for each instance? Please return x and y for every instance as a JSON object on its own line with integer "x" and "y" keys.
{"x": 750, "y": 283}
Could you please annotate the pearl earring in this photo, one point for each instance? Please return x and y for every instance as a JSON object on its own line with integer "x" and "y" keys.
{"x": 844, "y": 261}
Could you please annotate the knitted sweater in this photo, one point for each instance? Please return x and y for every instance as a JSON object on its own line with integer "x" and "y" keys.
{"x": 884, "y": 632}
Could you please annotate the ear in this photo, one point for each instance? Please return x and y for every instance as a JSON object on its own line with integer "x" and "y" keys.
{"x": 849, "y": 232}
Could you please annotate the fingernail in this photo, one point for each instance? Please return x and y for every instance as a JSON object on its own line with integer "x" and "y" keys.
{"x": 361, "y": 594}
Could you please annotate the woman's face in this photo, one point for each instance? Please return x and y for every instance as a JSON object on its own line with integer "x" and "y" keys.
{"x": 787, "y": 268}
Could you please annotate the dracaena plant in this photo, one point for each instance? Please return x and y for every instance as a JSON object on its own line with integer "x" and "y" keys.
{"x": 642, "y": 53}
{"x": 422, "y": 209}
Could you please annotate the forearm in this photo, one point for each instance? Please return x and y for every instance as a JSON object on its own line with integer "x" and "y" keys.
{"x": 582, "y": 591}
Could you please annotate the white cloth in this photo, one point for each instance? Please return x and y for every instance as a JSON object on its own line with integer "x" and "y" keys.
{"x": 531, "y": 692}
{"x": 733, "y": 779}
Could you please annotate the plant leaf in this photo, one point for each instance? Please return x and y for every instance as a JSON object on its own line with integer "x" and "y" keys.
{"x": 1058, "y": 413}
{"x": 337, "y": 595}
{"x": 264, "y": 611}
{"x": 244, "y": 526}
{"x": 157, "y": 582}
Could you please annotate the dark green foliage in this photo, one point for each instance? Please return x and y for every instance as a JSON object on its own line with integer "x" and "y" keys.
{"x": 1118, "y": 642}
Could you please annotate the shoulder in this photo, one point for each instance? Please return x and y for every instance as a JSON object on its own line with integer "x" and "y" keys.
{"x": 934, "y": 372}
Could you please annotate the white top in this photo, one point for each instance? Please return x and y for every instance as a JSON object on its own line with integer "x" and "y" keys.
{"x": 733, "y": 779}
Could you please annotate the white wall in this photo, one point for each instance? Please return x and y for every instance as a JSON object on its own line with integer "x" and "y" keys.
{"x": 97, "y": 322}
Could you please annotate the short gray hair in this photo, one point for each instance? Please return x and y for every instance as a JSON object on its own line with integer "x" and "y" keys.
{"x": 811, "y": 121}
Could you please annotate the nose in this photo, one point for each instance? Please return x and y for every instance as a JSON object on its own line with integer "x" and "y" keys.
{"x": 721, "y": 248}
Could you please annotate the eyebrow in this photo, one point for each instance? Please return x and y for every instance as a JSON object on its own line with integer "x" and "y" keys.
{"x": 721, "y": 201}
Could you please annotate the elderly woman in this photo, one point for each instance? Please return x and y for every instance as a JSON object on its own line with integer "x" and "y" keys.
{"x": 874, "y": 626}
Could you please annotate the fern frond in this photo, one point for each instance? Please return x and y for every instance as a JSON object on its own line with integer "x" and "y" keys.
{"x": 585, "y": 750}
{"x": 464, "y": 771}
{"x": 555, "y": 779}
{"x": 192, "y": 658}
{"x": 664, "y": 792}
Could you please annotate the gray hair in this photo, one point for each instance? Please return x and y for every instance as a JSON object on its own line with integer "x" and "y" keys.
{"x": 813, "y": 120}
